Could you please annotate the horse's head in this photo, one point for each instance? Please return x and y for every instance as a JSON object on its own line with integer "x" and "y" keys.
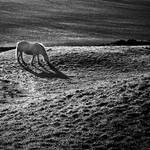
{"x": 49, "y": 49}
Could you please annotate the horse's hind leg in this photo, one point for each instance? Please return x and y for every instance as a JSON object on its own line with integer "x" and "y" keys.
{"x": 21, "y": 55}
{"x": 18, "y": 57}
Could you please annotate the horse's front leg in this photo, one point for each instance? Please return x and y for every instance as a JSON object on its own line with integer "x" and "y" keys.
{"x": 32, "y": 61}
{"x": 38, "y": 57}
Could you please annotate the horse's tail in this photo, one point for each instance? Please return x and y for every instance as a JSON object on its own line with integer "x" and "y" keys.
{"x": 17, "y": 49}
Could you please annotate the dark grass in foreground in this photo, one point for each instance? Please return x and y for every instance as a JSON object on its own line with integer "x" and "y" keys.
{"x": 108, "y": 118}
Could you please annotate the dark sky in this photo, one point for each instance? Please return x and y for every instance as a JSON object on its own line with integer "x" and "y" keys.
{"x": 74, "y": 20}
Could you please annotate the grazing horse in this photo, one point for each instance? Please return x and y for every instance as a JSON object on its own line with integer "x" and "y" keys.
{"x": 34, "y": 49}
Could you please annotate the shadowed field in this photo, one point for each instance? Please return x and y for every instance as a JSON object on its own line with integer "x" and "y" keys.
{"x": 79, "y": 22}
{"x": 103, "y": 105}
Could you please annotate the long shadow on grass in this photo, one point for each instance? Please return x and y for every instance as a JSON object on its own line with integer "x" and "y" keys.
{"x": 43, "y": 72}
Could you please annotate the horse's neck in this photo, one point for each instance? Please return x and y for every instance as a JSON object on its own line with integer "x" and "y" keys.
{"x": 45, "y": 55}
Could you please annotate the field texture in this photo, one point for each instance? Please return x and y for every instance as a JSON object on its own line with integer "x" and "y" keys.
{"x": 98, "y": 98}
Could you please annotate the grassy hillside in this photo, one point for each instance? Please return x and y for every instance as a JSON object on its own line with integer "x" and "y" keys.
{"x": 74, "y": 21}
{"x": 104, "y": 105}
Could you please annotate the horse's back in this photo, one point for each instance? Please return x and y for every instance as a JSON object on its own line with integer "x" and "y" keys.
{"x": 26, "y": 47}
{"x": 23, "y": 45}
{"x": 30, "y": 48}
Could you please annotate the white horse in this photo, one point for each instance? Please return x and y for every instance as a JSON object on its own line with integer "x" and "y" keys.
{"x": 34, "y": 49}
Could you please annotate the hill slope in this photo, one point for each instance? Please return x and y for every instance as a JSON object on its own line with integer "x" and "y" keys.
{"x": 104, "y": 105}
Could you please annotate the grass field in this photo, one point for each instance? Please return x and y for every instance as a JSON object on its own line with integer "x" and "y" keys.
{"x": 103, "y": 104}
